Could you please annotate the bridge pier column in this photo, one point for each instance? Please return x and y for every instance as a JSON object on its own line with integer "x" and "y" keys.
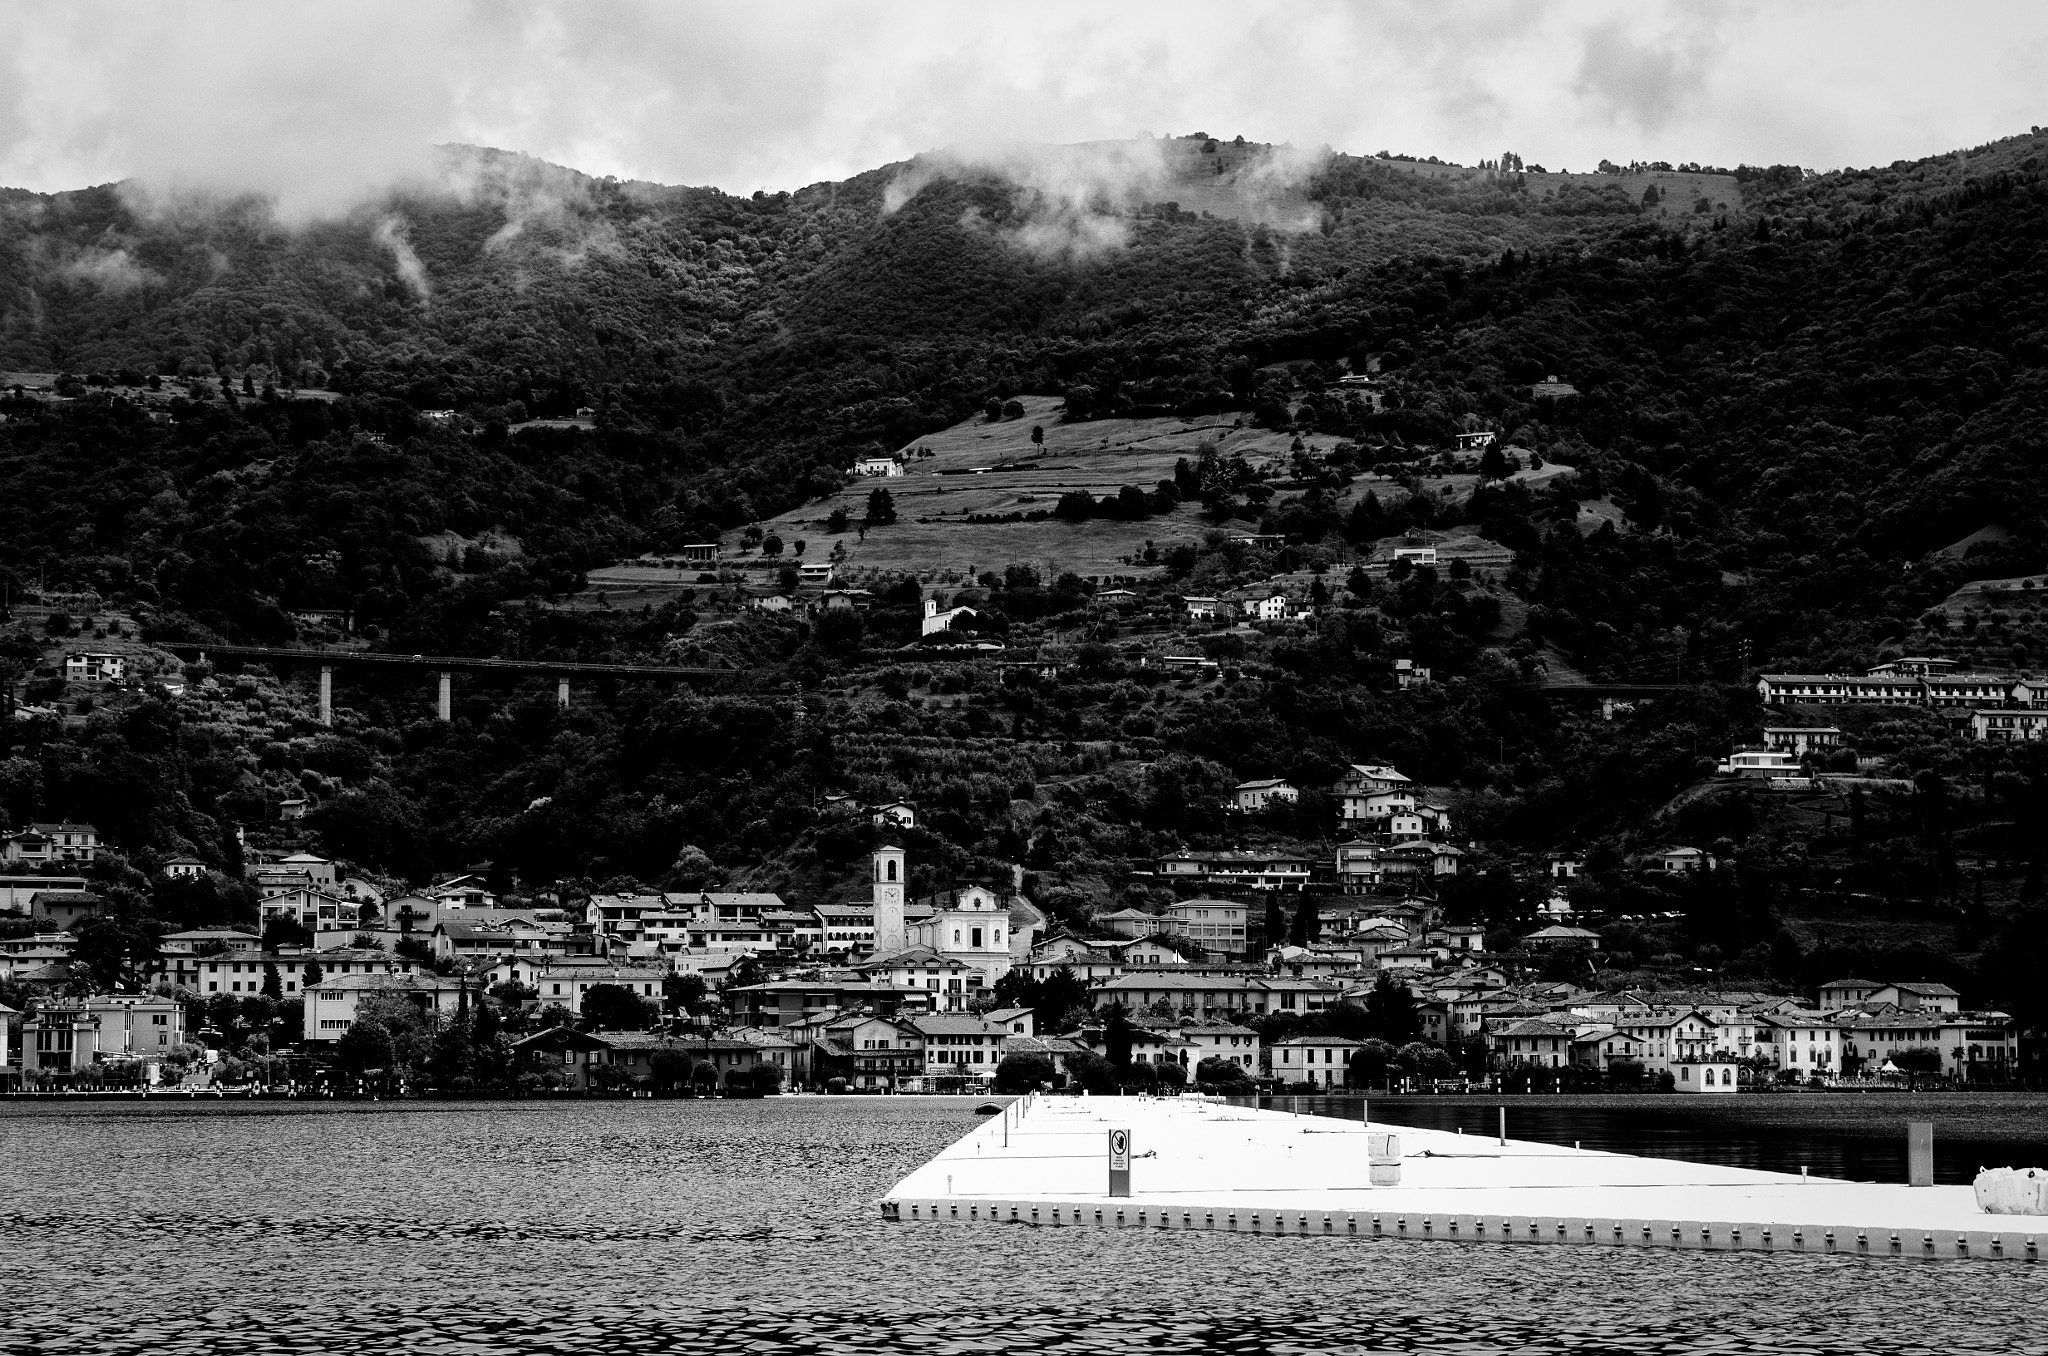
{"x": 562, "y": 693}
{"x": 327, "y": 694}
{"x": 445, "y": 709}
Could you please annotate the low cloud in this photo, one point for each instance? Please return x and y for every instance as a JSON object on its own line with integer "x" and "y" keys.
{"x": 110, "y": 270}
{"x": 1070, "y": 201}
{"x": 392, "y": 235}
{"x": 542, "y": 203}
{"x": 1078, "y": 201}
{"x": 322, "y": 110}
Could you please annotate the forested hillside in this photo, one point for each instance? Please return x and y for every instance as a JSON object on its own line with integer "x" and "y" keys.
{"x": 1790, "y": 398}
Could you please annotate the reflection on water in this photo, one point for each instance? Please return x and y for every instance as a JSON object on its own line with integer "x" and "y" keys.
{"x": 730, "y": 1226}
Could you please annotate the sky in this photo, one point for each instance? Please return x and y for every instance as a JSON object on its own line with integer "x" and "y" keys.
{"x": 319, "y": 104}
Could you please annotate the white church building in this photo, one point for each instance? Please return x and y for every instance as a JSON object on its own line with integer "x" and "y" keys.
{"x": 971, "y": 925}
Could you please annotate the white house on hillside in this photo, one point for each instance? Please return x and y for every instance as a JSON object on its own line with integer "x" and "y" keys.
{"x": 1362, "y": 782}
{"x": 936, "y": 620}
{"x": 1262, "y": 794}
{"x": 95, "y": 668}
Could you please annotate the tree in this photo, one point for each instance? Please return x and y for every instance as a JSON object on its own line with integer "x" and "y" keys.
{"x": 614, "y": 1007}
{"x": 1117, "y": 1036}
{"x": 492, "y": 1060}
{"x": 1062, "y": 999}
{"x": 765, "y": 1079}
{"x": 1092, "y": 1073}
{"x": 364, "y": 1046}
{"x": 1923, "y": 1059}
{"x": 1493, "y": 464}
{"x": 408, "y": 1025}
{"x": 881, "y": 508}
{"x": 1390, "y": 1011}
{"x": 1075, "y": 506}
{"x": 835, "y": 521}
{"x": 1276, "y": 921}
{"x": 669, "y": 1070}
{"x": 1037, "y": 436}
{"x": 1423, "y": 1062}
{"x": 1024, "y": 1072}
{"x": 273, "y": 984}
{"x": 312, "y": 976}
{"x": 452, "y": 1066}
{"x": 1572, "y": 964}
{"x": 1171, "y": 1077}
{"x": 1307, "y": 925}
{"x": 839, "y": 631}
{"x": 1370, "y": 1063}
{"x": 110, "y": 950}
{"x": 1140, "y": 1076}
{"x": 680, "y": 994}
{"x": 771, "y": 545}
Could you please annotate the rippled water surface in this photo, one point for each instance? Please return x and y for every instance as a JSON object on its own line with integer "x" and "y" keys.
{"x": 751, "y": 1226}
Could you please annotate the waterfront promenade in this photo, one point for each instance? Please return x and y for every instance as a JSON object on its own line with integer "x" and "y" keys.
{"x": 1202, "y": 1164}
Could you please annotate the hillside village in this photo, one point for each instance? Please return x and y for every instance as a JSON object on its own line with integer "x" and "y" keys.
{"x": 1303, "y": 901}
{"x": 1348, "y": 975}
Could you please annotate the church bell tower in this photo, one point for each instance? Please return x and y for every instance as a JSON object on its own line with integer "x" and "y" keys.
{"x": 890, "y": 870}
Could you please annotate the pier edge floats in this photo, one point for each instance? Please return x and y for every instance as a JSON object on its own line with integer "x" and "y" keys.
{"x": 1194, "y": 1164}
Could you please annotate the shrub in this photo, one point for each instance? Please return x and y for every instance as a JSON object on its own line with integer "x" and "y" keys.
{"x": 1024, "y": 1073}
{"x": 1221, "y": 1073}
{"x": 1092, "y": 1073}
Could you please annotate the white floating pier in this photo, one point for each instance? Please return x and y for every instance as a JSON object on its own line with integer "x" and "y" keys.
{"x": 1198, "y": 1164}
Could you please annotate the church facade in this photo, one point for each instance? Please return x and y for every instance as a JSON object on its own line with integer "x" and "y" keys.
{"x": 974, "y": 925}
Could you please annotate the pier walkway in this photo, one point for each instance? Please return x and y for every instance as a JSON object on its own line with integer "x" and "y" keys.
{"x": 1200, "y": 1164}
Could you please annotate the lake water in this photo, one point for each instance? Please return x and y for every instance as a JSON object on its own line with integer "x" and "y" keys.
{"x": 751, "y": 1226}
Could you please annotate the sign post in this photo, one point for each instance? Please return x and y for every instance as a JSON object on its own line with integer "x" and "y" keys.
{"x": 1119, "y": 1162}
